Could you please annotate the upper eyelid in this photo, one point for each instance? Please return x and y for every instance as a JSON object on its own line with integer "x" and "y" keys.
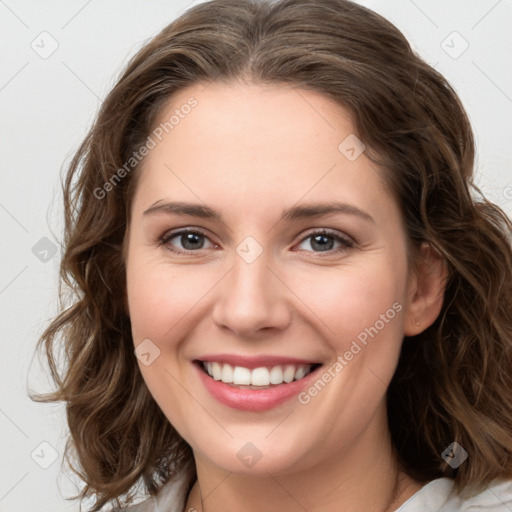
{"x": 179, "y": 231}
{"x": 329, "y": 232}
{"x": 312, "y": 231}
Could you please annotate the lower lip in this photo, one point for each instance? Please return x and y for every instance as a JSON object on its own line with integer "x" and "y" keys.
{"x": 254, "y": 399}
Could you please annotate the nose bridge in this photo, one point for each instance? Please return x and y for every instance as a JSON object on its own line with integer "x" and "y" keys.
{"x": 251, "y": 298}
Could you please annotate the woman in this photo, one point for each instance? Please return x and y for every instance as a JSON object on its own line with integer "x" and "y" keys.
{"x": 288, "y": 295}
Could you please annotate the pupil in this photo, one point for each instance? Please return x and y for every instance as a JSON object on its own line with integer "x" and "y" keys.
{"x": 189, "y": 241}
{"x": 322, "y": 245}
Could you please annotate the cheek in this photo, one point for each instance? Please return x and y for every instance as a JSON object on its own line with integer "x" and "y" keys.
{"x": 360, "y": 312}
{"x": 162, "y": 298}
{"x": 347, "y": 300}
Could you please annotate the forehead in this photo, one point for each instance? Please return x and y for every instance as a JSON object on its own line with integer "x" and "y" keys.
{"x": 252, "y": 145}
{"x": 265, "y": 120}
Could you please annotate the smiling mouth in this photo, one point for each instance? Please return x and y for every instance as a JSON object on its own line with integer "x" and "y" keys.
{"x": 264, "y": 377}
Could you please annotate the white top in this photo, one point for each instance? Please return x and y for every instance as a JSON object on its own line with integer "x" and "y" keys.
{"x": 436, "y": 496}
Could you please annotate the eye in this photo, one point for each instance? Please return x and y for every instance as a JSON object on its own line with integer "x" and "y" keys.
{"x": 325, "y": 241}
{"x": 186, "y": 241}
{"x": 190, "y": 240}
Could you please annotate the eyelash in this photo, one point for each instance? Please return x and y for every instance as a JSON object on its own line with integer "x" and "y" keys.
{"x": 346, "y": 242}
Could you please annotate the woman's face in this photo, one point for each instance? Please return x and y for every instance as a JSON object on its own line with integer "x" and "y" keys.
{"x": 296, "y": 258}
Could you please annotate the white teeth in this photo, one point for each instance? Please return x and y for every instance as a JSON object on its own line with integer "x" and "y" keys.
{"x": 262, "y": 376}
{"x": 227, "y": 373}
{"x": 276, "y": 375}
{"x": 289, "y": 373}
{"x": 300, "y": 372}
{"x": 216, "y": 371}
{"x": 241, "y": 375}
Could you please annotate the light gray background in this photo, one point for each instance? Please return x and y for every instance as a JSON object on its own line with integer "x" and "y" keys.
{"x": 47, "y": 104}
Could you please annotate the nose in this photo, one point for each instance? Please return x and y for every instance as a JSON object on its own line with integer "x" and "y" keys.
{"x": 252, "y": 299}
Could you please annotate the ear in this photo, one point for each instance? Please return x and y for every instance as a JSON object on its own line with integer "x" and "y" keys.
{"x": 425, "y": 293}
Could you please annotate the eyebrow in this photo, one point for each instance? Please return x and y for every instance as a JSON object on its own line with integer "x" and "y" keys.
{"x": 310, "y": 210}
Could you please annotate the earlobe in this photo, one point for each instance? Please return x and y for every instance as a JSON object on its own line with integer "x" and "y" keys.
{"x": 426, "y": 291}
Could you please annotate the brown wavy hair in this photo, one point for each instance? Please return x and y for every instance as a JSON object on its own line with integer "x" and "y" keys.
{"x": 453, "y": 381}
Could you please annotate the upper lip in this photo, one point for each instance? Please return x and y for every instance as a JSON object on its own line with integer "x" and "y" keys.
{"x": 252, "y": 362}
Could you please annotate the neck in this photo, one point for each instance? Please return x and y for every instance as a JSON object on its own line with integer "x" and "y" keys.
{"x": 364, "y": 476}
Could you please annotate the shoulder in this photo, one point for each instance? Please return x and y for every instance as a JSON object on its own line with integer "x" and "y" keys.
{"x": 440, "y": 496}
{"x": 148, "y": 505}
{"x": 171, "y": 496}
{"x": 496, "y": 497}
